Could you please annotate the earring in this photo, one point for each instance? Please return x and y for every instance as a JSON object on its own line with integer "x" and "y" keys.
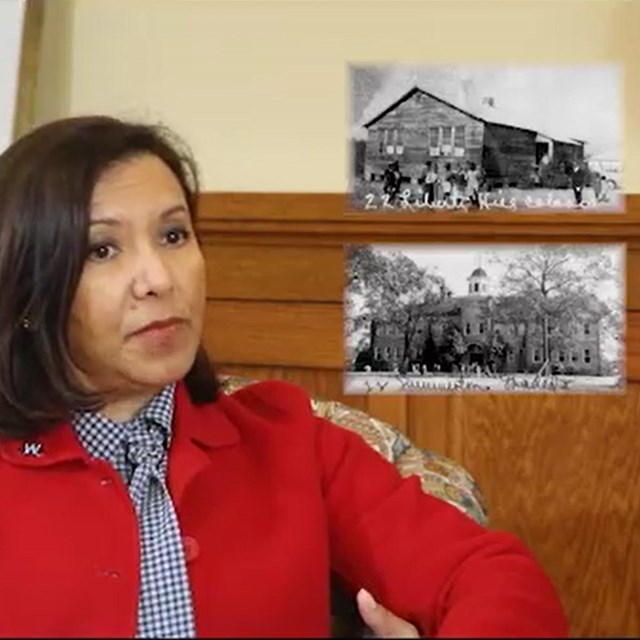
{"x": 26, "y": 323}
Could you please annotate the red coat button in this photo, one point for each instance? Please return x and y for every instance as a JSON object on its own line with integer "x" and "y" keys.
{"x": 191, "y": 548}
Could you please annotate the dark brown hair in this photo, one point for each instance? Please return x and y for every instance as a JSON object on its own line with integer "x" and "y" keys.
{"x": 47, "y": 179}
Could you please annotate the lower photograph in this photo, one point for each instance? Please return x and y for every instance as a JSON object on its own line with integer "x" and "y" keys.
{"x": 490, "y": 318}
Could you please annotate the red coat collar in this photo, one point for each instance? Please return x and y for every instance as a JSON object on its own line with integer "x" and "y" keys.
{"x": 206, "y": 424}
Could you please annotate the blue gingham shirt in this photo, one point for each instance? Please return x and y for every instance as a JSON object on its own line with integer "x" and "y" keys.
{"x": 137, "y": 449}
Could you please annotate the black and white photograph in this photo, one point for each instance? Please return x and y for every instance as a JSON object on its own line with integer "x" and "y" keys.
{"x": 448, "y": 318}
{"x": 503, "y": 139}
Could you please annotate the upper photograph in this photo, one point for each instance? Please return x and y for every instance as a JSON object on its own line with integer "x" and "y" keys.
{"x": 503, "y": 139}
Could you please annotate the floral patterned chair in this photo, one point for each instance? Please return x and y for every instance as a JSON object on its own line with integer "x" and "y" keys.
{"x": 439, "y": 476}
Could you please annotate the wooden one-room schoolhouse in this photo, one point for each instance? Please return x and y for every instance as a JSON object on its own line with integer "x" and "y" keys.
{"x": 421, "y": 127}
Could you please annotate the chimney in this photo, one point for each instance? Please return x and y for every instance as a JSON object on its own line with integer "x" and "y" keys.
{"x": 490, "y": 101}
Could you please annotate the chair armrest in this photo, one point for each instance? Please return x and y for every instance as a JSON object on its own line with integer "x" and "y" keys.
{"x": 439, "y": 475}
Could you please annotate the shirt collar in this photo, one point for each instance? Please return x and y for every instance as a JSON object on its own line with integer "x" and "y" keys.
{"x": 103, "y": 437}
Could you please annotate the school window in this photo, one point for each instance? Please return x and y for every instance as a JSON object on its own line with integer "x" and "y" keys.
{"x": 399, "y": 142}
{"x": 587, "y": 356}
{"x": 587, "y": 329}
{"x": 536, "y": 355}
{"x": 388, "y": 141}
{"x": 387, "y": 352}
{"x": 467, "y": 328}
{"x": 481, "y": 327}
{"x": 376, "y": 353}
{"x": 447, "y": 139}
{"x": 434, "y": 138}
{"x": 476, "y": 286}
{"x": 561, "y": 356}
{"x": 458, "y": 137}
{"x": 574, "y": 356}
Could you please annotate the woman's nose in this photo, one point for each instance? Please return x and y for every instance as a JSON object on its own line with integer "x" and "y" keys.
{"x": 152, "y": 275}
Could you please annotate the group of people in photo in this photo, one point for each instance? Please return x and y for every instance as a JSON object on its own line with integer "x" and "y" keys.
{"x": 438, "y": 181}
{"x": 446, "y": 181}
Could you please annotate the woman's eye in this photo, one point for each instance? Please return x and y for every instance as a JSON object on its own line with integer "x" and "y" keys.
{"x": 177, "y": 235}
{"x": 101, "y": 252}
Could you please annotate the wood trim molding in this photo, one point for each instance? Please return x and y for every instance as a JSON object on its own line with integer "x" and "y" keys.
{"x": 276, "y": 267}
{"x": 322, "y": 218}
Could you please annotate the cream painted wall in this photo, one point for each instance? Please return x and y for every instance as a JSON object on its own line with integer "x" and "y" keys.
{"x": 53, "y": 85}
{"x": 259, "y": 88}
{"x": 11, "y": 28}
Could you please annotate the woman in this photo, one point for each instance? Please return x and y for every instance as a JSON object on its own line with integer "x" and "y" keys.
{"x": 391, "y": 181}
{"x": 140, "y": 500}
{"x": 473, "y": 184}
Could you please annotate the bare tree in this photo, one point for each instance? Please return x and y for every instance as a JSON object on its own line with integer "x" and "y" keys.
{"x": 511, "y": 315}
{"x": 556, "y": 287}
{"x": 391, "y": 290}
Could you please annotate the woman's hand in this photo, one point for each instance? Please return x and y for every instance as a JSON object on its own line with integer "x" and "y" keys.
{"x": 381, "y": 621}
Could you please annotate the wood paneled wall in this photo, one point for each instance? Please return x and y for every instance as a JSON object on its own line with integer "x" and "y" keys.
{"x": 561, "y": 471}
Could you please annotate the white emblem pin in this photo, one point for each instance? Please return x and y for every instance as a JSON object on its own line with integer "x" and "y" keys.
{"x": 32, "y": 449}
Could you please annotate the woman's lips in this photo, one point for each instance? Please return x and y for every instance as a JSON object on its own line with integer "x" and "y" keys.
{"x": 161, "y": 324}
{"x": 160, "y": 333}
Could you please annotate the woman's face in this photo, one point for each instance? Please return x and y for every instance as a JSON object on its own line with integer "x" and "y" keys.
{"x": 144, "y": 266}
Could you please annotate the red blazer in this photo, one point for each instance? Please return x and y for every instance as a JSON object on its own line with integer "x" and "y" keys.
{"x": 269, "y": 498}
